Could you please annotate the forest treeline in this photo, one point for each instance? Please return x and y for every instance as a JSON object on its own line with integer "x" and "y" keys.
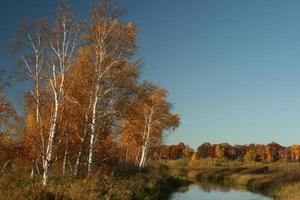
{"x": 252, "y": 152}
{"x": 86, "y": 108}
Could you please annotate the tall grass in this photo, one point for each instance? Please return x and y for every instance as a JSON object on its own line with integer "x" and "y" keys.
{"x": 128, "y": 183}
{"x": 280, "y": 179}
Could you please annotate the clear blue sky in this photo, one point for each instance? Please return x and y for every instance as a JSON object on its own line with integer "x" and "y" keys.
{"x": 232, "y": 67}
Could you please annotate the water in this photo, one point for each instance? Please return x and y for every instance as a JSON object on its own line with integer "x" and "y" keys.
{"x": 206, "y": 191}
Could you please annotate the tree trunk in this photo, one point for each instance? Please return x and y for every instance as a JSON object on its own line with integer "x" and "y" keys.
{"x": 91, "y": 152}
{"x": 126, "y": 155}
{"x": 48, "y": 156}
{"x": 65, "y": 155}
{"x": 79, "y": 156}
{"x": 32, "y": 168}
{"x": 146, "y": 137}
{"x": 78, "y": 159}
{"x": 137, "y": 157}
{"x": 93, "y": 128}
{"x": 143, "y": 157}
{"x": 4, "y": 166}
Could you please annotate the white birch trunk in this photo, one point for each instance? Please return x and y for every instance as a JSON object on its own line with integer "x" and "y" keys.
{"x": 4, "y": 166}
{"x": 78, "y": 159}
{"x": 93, "y": 134}
{"x": 54, "y": 116}
{"x": 62, "y": 50}
{"x": 37, "y": 168}
{"x": 79, "y": 156}
{"x": 146, "y": 137}
{"x": 143, "y": 157}
{"x": 137, "y": 157}
{"x": 48, "y": 156}
{"x": 32, "y": 172}
{"x": 65, "y": 155}
{"x": 91, "y": 152}
{"x": 34, "y": 73}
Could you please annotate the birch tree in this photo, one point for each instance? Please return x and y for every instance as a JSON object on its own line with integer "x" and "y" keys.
{"x": 31, "y": 41}
{"x": 78, "y": 100}
{"x": 149, "y": 118}
{"x": 112, "y": 43}
{"x": 63, "y": 43}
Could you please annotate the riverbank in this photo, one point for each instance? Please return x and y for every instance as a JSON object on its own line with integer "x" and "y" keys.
{"x": 279, "y": 180}
{"x": 159, "y": 180}
{"x": 153, "y": 182}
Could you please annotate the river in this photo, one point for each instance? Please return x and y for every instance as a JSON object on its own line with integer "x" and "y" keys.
{"x": 207, "y": 191}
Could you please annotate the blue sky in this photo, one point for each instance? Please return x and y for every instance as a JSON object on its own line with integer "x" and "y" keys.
{"x": 232, "y": 67}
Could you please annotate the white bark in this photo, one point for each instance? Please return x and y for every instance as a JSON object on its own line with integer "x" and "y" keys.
{"x": 4, "y": 166}
{"x": 32, "y": 169}
{"x": 48, "y": 157}
{"x": 146, "y": 138}
{"x": 65, "y": 154}
{"x": 37, "y": 168}
{"x": 78, "y": 159}
{"x": 91, "y": 152}
{"x": 107, "y": 54}
{"x": 82, "y": 141}
{"x": 143, "y": 157}
{"x": 34, "y": 73}
{"x": 93, "y": 134}
{"x": 62, "y": 50}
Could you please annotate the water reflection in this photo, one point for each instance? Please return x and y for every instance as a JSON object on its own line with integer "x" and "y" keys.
{"x": 209, "y": 191}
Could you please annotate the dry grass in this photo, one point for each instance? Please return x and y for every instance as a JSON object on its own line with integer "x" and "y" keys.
{"x": 280, "y": 180}
{"x": 150, "y": 183}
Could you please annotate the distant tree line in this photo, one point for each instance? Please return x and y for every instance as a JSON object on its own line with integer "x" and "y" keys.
{"x": 253, "y": 152}
{"x": 172, "y": 152}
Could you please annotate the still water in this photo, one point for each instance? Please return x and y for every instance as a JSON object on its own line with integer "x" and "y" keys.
{"x": 206, "y": 191}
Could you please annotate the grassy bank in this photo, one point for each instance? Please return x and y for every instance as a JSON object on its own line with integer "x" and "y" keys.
{"x": 279, "y": 180}
{"x": 157, "y": 181}
{"x": 154, "y": 182}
